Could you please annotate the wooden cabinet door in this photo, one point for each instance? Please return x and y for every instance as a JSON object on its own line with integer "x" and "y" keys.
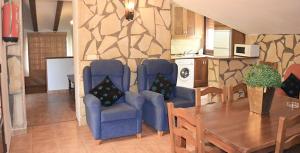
{"x": 201, "y": 72}
{"x": 178, "y": 21}
{"x": 190, "y": 17}
{"x": 186, "y": 23}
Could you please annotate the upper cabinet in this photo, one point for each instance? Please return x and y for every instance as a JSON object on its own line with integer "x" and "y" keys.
{"x": 186, "y": 23}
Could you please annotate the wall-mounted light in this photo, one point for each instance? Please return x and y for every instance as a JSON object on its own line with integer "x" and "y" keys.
{"x": 129, "y": 9}
{"x": 71, "y": 22}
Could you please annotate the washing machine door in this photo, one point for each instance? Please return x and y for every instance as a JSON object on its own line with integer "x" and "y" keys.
{"x": 184, "y": 73}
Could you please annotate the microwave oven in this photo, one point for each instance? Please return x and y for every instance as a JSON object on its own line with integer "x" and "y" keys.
{"x": 246, "y": 50}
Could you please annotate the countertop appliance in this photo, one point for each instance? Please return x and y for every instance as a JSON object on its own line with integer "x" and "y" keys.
{"x": 246, "y": 50}
{"x": 185, "y": 77}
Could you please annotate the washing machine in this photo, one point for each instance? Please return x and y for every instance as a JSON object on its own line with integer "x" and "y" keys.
{"x": 185, "y": 77}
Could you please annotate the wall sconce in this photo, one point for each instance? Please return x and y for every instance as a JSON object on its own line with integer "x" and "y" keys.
{"x": 129, "y": 9}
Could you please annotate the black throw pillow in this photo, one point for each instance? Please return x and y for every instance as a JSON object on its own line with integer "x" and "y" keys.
{"x": 291, "y": 86}
{"x": 107, "y": 92}
{"x": 162, "y": 85}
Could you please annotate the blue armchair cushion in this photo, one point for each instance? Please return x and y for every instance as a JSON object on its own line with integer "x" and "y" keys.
{"x": 162, "y": 85}
{"x": 107, "y": 92}
{"x": 118, "y": 112}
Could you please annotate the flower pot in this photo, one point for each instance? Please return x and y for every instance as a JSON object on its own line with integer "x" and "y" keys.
{"x": 260, "y": 99}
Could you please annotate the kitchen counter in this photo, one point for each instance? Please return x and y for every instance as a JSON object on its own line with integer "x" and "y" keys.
{"x": 188, "y": 56}
{"x": 210, "y": 57}
{"x": 231, "y": 57}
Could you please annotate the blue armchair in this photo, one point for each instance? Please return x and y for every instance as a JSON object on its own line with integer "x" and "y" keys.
{"x": 125, "y": 116}
{"x": 154, "y": 109}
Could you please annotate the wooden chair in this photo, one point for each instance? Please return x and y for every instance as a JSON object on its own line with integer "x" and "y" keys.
{"x": 186, "y": 129}
{"x": 239, "y": 88}
{"x": 213, "y": 91}
{"x": 274, "y": 65}
{"x": 284, "y": 143}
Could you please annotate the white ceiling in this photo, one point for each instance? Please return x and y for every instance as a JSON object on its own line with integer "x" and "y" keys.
{"x": 46, "y": 10}
{"x": 251, "y": 16}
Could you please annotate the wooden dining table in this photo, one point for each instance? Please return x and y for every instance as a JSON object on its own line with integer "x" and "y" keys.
{"x": 235, "y": 129}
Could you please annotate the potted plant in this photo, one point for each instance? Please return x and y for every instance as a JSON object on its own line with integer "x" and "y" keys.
{"x": 261, "y": 82}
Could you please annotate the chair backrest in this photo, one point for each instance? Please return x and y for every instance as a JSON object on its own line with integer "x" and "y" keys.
{"x": 148, "y": 70}
{"x": 96, "y": 72}
{"x": 182, "y": 127}
{"x": 213, "y": 91}
{"x": 282, "y": 141}
{"x": 240, "y": 89}
{"x": 274, "y": 65}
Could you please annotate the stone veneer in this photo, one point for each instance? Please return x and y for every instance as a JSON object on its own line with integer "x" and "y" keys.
{"x": 227, "y": 72}
{"x": 281, "y": 49}
{"x": 16, "y": 87}
{"x": 104, "y": 33}
{"x": 223, "y": 73}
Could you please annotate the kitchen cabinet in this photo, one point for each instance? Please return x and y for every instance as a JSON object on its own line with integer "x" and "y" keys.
{"x": 186, "y": 23}
{"x": 201, "y": 72}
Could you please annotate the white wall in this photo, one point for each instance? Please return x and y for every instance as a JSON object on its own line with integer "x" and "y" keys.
{"x": 57, "y": 71}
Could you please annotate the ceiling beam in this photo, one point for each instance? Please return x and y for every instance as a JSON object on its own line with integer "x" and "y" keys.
{"x": 33, "y": 15}
{"x": 59, "y": 7}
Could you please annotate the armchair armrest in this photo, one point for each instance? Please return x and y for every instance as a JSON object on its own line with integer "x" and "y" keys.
{"x": 155, "y": 98}
{"x": 92, "y": 102}
{"x": 134, "y": 99}
{"x": 185, "y": 93}
{"x": 93, "y": 114}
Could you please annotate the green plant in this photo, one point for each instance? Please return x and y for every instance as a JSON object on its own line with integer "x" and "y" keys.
{"x": 262, "y": 75}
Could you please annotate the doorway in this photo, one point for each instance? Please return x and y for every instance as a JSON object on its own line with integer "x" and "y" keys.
{"x": 48, "y": 62}
{"x": 42, "y": 46}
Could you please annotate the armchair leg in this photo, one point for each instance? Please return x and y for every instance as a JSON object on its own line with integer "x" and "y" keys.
{"x": 100, "y": 142}
{"x": 160, "y": 133}
{"x": 139, "y": 135}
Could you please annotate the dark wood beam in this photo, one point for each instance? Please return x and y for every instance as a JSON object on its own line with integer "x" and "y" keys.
{"x": 59, "y": 7}
{"x": 33, "y": 15}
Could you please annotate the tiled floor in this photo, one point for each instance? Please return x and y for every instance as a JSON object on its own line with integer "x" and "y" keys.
{"x": 53, "y": 129}
{"x": 67, "y": 137}
{"x": 43, "y": 108}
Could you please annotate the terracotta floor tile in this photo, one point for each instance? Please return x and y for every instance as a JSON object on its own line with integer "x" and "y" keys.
{"x": 43, "y": 108}
{"x": 50, "y": 135}
{"x": 73, "y": 150}
{"x": 21, "y": 151}
{"x": 46, "y": 146}
{"x": 80, "y": 140}
{"x": 21, "y": 143}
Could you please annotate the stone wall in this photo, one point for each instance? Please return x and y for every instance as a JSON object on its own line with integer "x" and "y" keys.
{"x": 104, "y": 33}
{"x": 227, "y": 72}
{"x": 281, "y": 49}
{"x": 223, "y": 73}
{"x": 16, "y": 87}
